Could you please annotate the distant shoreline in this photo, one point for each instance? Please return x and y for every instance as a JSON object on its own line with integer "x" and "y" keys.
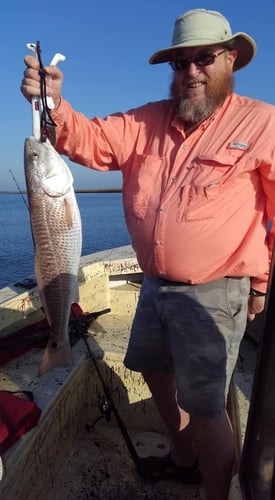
{"x": 108, "y": 190}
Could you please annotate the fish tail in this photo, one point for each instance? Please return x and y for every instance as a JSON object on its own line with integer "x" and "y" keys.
{"x": 55, "y": 356}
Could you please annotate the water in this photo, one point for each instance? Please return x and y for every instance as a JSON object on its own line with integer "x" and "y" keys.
{"x": 103, "y": 227}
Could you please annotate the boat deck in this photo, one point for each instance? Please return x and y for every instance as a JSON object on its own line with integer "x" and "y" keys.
{"x": 81, "y": 464}
{"x": 59, "y": 458}
{"x": 100, "y": 467}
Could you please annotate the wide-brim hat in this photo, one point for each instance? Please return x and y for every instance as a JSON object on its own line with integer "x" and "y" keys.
{"x": 201, "y": 27}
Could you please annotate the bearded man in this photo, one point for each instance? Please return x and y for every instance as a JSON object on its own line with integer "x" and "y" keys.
{"x": 198, "y": 188}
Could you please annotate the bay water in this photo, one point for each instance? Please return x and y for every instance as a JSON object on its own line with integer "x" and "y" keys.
{"x": 103, "y": 227}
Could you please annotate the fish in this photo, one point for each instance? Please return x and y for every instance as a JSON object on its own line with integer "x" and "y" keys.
{"x": 56, "y": 229}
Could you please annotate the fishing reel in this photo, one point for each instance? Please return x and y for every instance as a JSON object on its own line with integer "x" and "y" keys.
{"x": 106, "y": 412}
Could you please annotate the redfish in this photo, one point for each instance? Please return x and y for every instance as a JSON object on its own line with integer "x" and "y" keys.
{"x": 57, "y": 235}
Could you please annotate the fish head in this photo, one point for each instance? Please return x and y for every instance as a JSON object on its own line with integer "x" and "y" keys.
{"x": 45, "y": 170}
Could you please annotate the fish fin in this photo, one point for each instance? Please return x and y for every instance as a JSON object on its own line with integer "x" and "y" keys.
{"x": 56, "y": 356}
{"x": 58, "y": 181}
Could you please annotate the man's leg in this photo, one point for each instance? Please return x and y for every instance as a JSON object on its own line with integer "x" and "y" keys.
{"x": 215, "y": 447}
{"x": 214, "y": 437}
{"x": 162, "y": 387}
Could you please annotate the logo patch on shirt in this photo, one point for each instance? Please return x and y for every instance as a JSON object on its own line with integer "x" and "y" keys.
{"x": 238, "y": 145}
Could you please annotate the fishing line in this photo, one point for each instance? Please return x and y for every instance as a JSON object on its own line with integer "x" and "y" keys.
{"x": 47, "y": 125}
{"x": 20, "y": 191}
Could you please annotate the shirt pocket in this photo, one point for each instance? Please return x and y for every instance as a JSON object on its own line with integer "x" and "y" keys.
{"x": 207, "y": 187}
{"x": 135, "y": 204}
{"x": 139, "y": 182}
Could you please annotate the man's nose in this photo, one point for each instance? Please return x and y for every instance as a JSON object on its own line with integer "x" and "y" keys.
{"x": 192, "y": 69}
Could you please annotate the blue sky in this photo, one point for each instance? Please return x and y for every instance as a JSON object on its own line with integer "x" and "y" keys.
{"x": 107, "y": 45}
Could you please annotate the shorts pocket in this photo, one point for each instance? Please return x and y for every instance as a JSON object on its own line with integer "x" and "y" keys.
{"x": 236, "y": 295}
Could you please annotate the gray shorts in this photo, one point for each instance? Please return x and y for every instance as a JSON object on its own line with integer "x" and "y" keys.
{"x": 194, "y": 331}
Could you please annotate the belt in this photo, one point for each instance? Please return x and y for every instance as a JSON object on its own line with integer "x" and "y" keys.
{"x": 186, "y": 283}
{"x": 236, "y": 277}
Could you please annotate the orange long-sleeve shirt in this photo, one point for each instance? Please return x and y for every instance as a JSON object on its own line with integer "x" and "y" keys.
{"x": 196, "y": 207}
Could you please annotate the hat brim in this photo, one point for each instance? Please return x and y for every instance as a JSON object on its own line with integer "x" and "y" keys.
{"x": 244, "y": 44}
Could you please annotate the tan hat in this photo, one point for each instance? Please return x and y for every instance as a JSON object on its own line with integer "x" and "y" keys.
{"x": 201, "y": 27}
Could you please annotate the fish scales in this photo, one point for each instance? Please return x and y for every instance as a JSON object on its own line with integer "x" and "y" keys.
{"x": 56, "y": 230}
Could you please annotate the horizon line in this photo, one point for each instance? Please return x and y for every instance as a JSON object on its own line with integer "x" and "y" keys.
{"x": 100, "y": 190}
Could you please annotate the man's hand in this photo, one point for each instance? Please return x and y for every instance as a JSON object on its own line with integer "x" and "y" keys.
{"x": 255, "y": 306}
{"x": 30, "y": 85}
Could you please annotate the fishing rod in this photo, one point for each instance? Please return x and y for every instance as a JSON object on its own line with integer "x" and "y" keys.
{"x": 108, "y": 406}
{"x": 19, "y": 190}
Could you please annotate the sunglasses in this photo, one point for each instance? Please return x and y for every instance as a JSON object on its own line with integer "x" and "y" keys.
{"x": 201, "y": 60}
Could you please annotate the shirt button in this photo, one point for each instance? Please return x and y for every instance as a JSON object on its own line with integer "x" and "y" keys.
{"x": 157, "y": 242}
{"x": 162, "y": 209}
